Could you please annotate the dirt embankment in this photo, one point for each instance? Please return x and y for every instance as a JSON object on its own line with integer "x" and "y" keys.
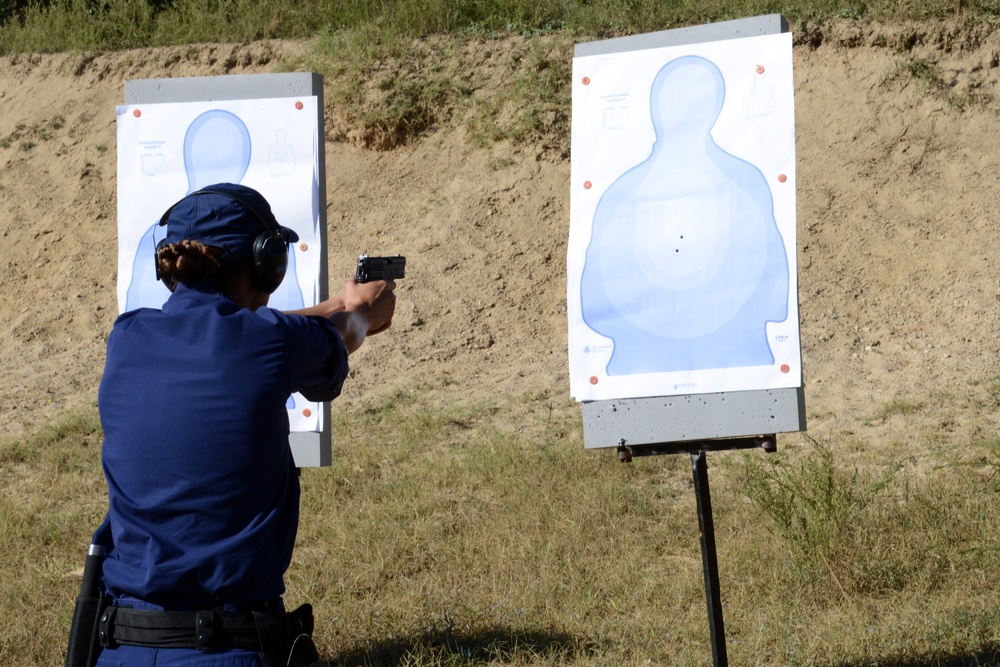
{"x": 898, "y": 160}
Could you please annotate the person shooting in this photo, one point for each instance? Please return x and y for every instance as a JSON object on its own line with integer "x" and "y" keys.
{"x": 203, "y": 492}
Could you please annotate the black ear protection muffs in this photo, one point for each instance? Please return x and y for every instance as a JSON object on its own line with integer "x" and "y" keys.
{"x": 270, "y": 248}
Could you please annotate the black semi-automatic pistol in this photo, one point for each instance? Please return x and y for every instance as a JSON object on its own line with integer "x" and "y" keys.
{"x": 380, "y": 268}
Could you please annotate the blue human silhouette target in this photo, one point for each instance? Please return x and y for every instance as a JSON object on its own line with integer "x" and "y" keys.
{"x": 696, "y": 226}
{"x": 217, "y": 149}
{"x": 169, "y": 150}
{"x": 686, "y": 282}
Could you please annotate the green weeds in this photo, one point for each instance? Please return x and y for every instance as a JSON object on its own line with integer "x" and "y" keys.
{"x": 876, "y": 529}
{"x": 60, "y": 25}
{"x": 391, "y": 91}
{"x": 26, "y": 137}
{"x": 815, "y": 508}
{"x": 533, "y": 107}
{"x": 933, "y": 82}
{"x": 895, "y": 407}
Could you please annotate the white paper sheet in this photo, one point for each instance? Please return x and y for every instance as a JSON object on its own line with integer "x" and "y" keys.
{"x": 166, "y": 151}
{"x": 681, "y": 269}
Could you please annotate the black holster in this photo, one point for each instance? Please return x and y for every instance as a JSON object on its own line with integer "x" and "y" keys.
{"x": 83, "y": 646}
{"x": 297, "y": 649}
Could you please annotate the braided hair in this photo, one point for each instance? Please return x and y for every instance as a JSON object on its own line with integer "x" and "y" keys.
{"x": 192, "y": 261}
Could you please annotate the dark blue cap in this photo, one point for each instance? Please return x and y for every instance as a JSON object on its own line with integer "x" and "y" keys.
{"x": 224, "y": 215}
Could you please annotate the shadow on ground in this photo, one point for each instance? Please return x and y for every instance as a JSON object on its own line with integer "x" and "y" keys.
{"x": 494, "y": 645}
{"x": 503, "y": 645}
{"x": 988, "y": 657}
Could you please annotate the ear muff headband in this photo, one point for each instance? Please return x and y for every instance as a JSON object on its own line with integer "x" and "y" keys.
{"x": 270, "y": 248}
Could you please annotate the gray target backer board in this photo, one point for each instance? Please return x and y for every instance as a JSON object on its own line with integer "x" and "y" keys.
{"x": 310, "y": 449}
{"x": 662, "y": 420}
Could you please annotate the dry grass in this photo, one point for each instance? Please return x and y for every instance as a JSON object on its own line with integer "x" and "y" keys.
{"x": 487, "y": 535}
{"x": 52, "y": 494}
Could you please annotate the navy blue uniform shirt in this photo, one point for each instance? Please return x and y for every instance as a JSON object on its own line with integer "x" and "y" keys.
{"x": 202, "y": 488}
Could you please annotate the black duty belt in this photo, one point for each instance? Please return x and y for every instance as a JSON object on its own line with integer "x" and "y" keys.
{"x": 204, "y": 630}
